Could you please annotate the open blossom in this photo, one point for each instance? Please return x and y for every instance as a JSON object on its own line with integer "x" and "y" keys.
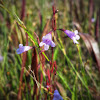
{"x": 73, "y": 35}
{"x": 47, "y": 41}
{"x": 22, "y": 48}
{"x": 57, "y": 96}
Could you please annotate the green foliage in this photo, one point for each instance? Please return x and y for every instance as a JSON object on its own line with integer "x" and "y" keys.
{"x": 75, "y": 70}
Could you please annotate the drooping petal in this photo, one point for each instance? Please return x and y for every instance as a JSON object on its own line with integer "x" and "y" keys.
{"x": 41, "y": 44}
{"x": 46, "y": 47}
{"x": 52, "y": 44}
{"x": 74, "y": 40}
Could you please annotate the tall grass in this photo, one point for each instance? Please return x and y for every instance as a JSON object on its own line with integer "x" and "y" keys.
{"x": 64, "y": 67}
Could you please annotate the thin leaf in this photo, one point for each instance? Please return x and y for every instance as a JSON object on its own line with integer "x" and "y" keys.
{"x": 92, "y": 47}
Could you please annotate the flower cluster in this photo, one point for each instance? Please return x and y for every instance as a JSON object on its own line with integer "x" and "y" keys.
{"x": 47, "y": 41}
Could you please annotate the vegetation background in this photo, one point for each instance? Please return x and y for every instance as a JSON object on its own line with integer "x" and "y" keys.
{"x": 76, "y": 68}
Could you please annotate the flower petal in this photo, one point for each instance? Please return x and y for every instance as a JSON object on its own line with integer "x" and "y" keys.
{"x": 57, "y": 96}
{"x": 48, "y": 37}
{"x": 41, "y": 44}
{"x": 52, "y": 44}
{"x": 69, "y": 34}
{"x": 46, "y": 47}
{"x": 20, "y": 45}
{"x": 19, "y": 50}
{"x": 26, "y": 48}
{"x": 77, "y": 37}
{"x": 22, "y": 48}
{"x": 76, "y": 32}
{"x": 74, "y": 40}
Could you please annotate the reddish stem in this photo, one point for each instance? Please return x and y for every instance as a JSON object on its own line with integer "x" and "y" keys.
{"x": 34, "y": 67}
{"x": 22, "y": 69}
{"x": 23, "y": 10}
{"x": 37, "y": 38}
{"x": 53, "y": 28}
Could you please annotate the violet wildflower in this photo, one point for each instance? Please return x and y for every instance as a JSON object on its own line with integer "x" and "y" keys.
{"x": 93, "y": 20}
{"x": 22, "y": 48}
{"x": 57, "y": 96}
{"x": 47, "y": 41}
{"x": 73, "y": 35}
{"x": 1, "y": 58}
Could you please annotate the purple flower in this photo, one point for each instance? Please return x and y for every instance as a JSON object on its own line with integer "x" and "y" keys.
{"x": 47, "y": 41}
{"x": 1, "y": 58}
{"x": 57, "y": 96}
{"x": 22, "y": 48}
{"x": 73, "y": 35}
{"x": 93, "y": 20}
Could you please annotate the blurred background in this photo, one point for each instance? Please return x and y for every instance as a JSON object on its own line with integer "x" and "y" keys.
{"x": 81, "y": 15}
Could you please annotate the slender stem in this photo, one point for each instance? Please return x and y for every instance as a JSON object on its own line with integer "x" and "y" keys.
{"x": 22, "y": 69}
{"x": 23, "y": 10}
{"x": 53, "y": 28}
{"x": 83, "y": 70}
